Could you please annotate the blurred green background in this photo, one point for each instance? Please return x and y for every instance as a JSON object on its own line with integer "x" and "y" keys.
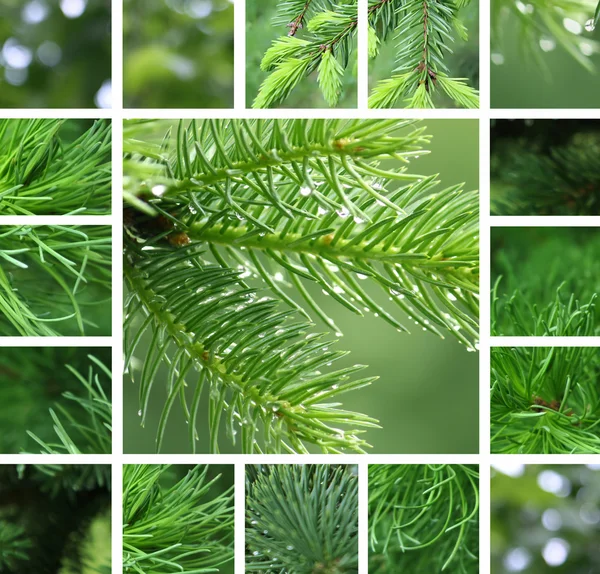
{"x": 178, "y": 53}
{"x": 55, "y": 54}
{"x": 520, "y": 82}
{"x": 463, "y": 62}
{"x": 427, "y": 397}
{"x": 545, "y": 518}
{"x": 260, "y": 33}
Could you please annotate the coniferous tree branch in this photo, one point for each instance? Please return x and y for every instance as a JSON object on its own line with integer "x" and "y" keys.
{"x": 85, "y": 426}
{"x": 54, "y": 279}
{"x": 325, "y": 47}
{"x": 182, "y": 528}
{"x": 42, "y": 172}
{"x": 302, "y": 518}
{"x": 223, "y": 205}
{"x": 424, "y": 518}
{"x": 423, "y": 29}
{"x": 545, "y": 400}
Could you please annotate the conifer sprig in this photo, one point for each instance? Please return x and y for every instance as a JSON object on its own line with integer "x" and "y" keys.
{"x": 54, "y": 280}
{"x": 41, "y": 172}
{"x": 325, "y": 46}
{"x": 184, "y": 528}
{"x": 231, "y": 221}
{"x": 424, "y": 518}
{"x": 423, "y": 30}
{"x": 545, "y": 400}
{"x": 302, "y": 518}
{"x": 83, "y": 424}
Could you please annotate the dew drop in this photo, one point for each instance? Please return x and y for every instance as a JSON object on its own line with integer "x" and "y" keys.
{"x": 140, "y": 413}
{"x": 305, "y": 191}
{"x": 589, "y": 25}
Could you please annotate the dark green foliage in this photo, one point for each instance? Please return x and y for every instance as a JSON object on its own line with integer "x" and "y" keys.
{"x": 61, "y": 62}
{"x": 545, "y": 167}
{"x": 302, "y": 519}
{"x": 545, "y": 400}
{"x": 178, "y": 54}
{"x": 176, "y": 521}
{"x": 424, "y": 518}
{"x": 60, "y": 397}
{"x": 55, "y": 280}
{"x": 545, "y": 281}
{"x": 253, "y": 215}
{"x": 321, "y": 37}
{"x": 423, "y": 30}
{"x": 55, "y": 167}
{"x": 55, "y": 519}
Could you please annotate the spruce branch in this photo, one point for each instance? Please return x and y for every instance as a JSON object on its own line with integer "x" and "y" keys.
{"x": 326, "y": 46}
{"x": 54, "y": 280}
{"x": 43, "y": 172}
{"x": 183, "y": 528}
{"x": 14, "y": 546}
{"x": 424, "y": 518}
{"x": 85, "y": 426}
{"x": 423, "y": 30}
{"x": 545, "y": 400}
{"x": 302, "y": 518}
{"x": 221, "y": 211}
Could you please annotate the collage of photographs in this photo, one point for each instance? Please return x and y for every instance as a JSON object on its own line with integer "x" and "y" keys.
{"x": 271, "y": 220}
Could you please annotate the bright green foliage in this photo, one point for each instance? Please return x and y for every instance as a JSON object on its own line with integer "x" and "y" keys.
{"x": 55, "y": 280}
{"x": 326, "y": 46}
{"x": 542, "y": 24}
{"x": 545, "y": 400}
{"x": 55, "y": 519}
{"x": 252, "y": 215}
{"x": 183, "y": 527}
{"x": 545, "y": 282}
{"x": 302, "y": 519}
{"x": 423, "y": 30}
{"x": 55, "y": 167}
{"x": 424, "y": 518}
{"x": 536, "y": 175}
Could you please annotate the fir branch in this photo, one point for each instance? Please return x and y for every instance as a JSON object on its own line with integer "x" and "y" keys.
{"x": 54, "y": 280}
{"x": 183, "y": 528}
{"x": 545, "y": 400}
{"x": 85, "y": 427}
{"x": 424, "y": 518}
{"x": 42, "y": 172}
{"x": 302, "y": 518}
{"x": 423, "y": 29}
{"x": 14, "y": 547}
{"x": 221, "y": 213}
{"x": 326, "y": 46}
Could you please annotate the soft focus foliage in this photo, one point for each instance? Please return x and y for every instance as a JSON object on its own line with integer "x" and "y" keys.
{"x": 545, "y": 167}
{"x": 545, "y": 519}
{"x": 178, "y": 53}
{"x": 55, "y": 519}
{"x": 544, "y": 53}
{"x": 55, "y": 53}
